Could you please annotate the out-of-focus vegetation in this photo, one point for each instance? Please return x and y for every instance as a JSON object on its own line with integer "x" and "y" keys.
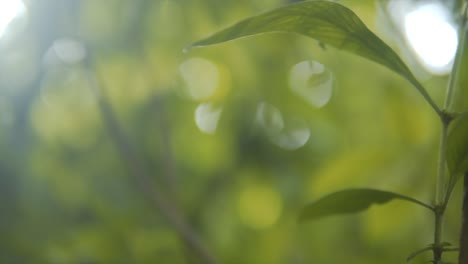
{"x": 107, "y": 128}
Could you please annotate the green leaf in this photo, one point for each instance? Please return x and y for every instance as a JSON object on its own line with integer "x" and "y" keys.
{"x": 328, "y": 22}
{"x": 457, "y": 146}
{"x": 351, "y": 201}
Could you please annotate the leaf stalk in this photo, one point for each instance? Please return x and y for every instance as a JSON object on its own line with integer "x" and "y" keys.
{"x": 458, "y": 59}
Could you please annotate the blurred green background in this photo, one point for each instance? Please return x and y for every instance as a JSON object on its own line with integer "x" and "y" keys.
{"x": 100, "y": 109}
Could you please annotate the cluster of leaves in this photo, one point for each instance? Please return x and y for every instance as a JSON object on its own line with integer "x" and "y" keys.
{"x": 333, "y": 24}
{"x": 68, "y": 197}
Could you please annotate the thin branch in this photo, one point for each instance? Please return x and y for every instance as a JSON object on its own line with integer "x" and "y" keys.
{"x": 410, "y": 258}
{"x": 463, "y": 255}
{"x": 165, "y": 138}
{"x": 441, "y": 166}
{"x": 141, "y": 175}
{"x": 427, "y": 97}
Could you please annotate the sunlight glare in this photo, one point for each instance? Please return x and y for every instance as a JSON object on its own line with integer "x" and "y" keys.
{"x": 312, "y": 81}
{"x": 9, "y": 10}
{"x": 207, "y": 116}
{"x": 290, "y": 135}
{"x": 201, "y": 76}
{"x": 432, "y": 36}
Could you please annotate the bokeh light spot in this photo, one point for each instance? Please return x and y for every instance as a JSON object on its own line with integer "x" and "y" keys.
{"x": 201, "y": 77}
{"x": 259, "y": 206}
{"x": 206, "y": 117}
{"x": 312, "y": 81}
{"x": 269, "y": 118}
{"x": 295, "y": 136}
{"x": 432, "y": 36}
{"x": 69, "y": 50}
{"x": 9, "y": 10}
{"x": 287, "y": 134}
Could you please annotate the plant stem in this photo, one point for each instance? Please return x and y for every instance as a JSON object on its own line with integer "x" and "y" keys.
{"x": 442, "y": 193}
{"x": 458, "y": 59}
{"x": 427, "y": 97}
{"x": 440, "y": 185}
{"x": 437, "y": 249}
{"x": 440, "y": 198}
{"x": 463, "y": 253}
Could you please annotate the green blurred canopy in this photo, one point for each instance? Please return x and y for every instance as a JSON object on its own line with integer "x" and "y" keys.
{"x": 107, "y": 128}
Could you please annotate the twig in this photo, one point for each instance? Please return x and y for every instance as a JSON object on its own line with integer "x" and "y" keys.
{"x": 463, "y": 255}
{"x": 140, "y": 174}
{"x": 170, "y": 176}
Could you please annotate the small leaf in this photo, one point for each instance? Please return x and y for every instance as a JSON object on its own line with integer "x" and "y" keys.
{"x": 351, "y": 201}
{"x": 328, "y": 22}
{"x": 457, "y": 146}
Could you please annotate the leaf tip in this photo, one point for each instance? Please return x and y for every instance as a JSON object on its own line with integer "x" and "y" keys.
{"x": 187, "y": 49}
{"x": 197, "y": 44}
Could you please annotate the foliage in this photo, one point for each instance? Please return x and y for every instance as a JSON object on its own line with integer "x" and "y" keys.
{"x": 351, "y": 201}
{"x": 328, "y": 22}
{"x": 457, "y": 149}
{"x": 76, "y": 129}
{"x": 334, "y": 24}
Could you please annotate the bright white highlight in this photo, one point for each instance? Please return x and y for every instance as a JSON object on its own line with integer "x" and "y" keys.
{"x": 289, "y": 135}
{"x": 432, "y": 36}
{"x": 207, "y": 117}
{"x": 201, "y": 76}
{"x": 69, "y": 50}
{"x": 9, "y": 10}
{"x": 312, "y": 81}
